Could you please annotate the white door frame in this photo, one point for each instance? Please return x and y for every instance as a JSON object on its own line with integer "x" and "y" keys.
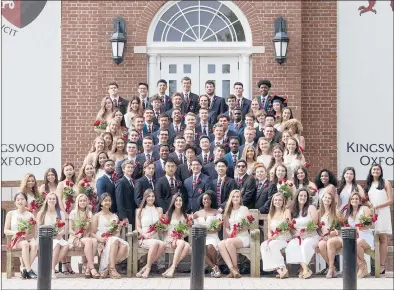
{"x": 243, "y": 50}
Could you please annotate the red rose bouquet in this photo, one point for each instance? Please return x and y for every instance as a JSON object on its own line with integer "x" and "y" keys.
{"x": 160, "y": 226}
{"x": 182, "y": 229}
{"x": 88, "y": 190}
{"x": 80, "y": 226}
{"x": 113, "y": 228}
{"x": 100, "y": 125}
{"x": 58, "y": 225}
{"x": 68, "y": 195}
{"x": 24, "y": 227}
{"x": 285, "y": 188}
{"x": 282, "y": 229}
{"x": 246, "y": 223}
{"x": 37, "y": 203}
{"x": 366, "y": 221}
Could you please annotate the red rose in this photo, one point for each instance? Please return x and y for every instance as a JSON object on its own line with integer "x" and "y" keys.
{"x": 265, "y": 184}
{"x": 83, "y": 184}
{"x": 280, "y": 181}
{"x": 301, "y": 148}
{"x": 120, "y": 103}
{"x": 250, "y": 218}
{"x": 67, "y": 182}
{"x": 307, "y": 165}
{"x": 96, "y": 123}
{"x": 290, "y": 184}
{"x": 284, "y": 179}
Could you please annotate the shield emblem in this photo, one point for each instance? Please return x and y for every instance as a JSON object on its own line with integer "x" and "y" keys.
{"x": 21, "y": 13}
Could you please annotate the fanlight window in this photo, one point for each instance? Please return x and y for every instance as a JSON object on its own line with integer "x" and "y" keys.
{"x": 199, "y": 21}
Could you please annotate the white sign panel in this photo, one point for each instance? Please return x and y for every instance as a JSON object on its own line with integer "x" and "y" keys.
{"x": 365, "y": 86}
{"x": 31, "y": 88}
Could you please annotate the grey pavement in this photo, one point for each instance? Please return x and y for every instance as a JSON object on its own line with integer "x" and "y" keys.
{"x": 182, "y": 281}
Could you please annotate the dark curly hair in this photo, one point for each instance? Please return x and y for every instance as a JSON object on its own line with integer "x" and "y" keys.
{"x": 331, "y": 179}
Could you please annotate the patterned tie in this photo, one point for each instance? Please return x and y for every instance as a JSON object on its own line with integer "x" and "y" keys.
{"x": 181, "y": 158}
{"x": 149, "y": 128}
{"x": 176, "y": 129}
{"x": 172, "y": 185}
{"x": 115, "y": 101}
{"x": 235, "y": 159}
{"x": 260, "y": 186}
{"x": 219, "y": 190}
{"x": 237, "y": 126}
{"x": 190, "y": 169}
{"x": 194, "y": 183}
{"x": 205, "y": 158}
{"x": 151, "y": 184}
{"x": 148, "y": 157}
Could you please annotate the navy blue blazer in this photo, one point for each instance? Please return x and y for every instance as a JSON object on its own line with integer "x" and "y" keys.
{"x": 125, "y": 200}
{"x": 245, "y": 106}
{"x": 204, "y": 184}
{"x": 159, "y": 170}
{"x": 229, "y": 158}
{"x": 217, "y": 107}
{"x": 105, "y": 185}
{"x": 141, "y": 158}
{"x": 190, "y": 104}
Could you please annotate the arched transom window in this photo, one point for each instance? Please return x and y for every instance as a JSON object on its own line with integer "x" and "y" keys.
{"x": 199, "y": 21}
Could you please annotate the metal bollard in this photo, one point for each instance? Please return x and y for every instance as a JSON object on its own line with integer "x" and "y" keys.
{"x": 45, "y": 234}
{"x": 349, "y": 274}
{"x": 199, "y": 233}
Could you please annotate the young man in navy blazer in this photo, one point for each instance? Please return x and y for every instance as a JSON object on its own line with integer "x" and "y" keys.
{"x": 164, "y": 152}
{"x": 243, "y": 102}
{"x": 217, "y": 104}
{"x": 117, "y": 101}
{"x": 145, "y": 182}
{"x": 106, "y": 184}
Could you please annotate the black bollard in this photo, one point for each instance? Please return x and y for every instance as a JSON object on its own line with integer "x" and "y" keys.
{"x": 199, "y": 233}
{"x": 45, "y": 234}
{"x": 349, "y": 274}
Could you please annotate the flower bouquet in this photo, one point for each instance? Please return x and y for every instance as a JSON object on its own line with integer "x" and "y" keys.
{"x": 182, "y": 229}
{"x": 88, "y": 190}
{"x": 68, "y": 195}
{"x": 24, "y": 227}
{"x": 245, "y": 224}
{"x": 283, "y": 229}
{"x": 58, "y": 225}
{"x": 160, "y": 226}
{"x": 114, "y": 227}
{"x": 99, "y": 126}
{"x": 81, "y": 226}
{"x": 312, "y": 191}
{"x": 215, "y": 225}
{"x": 285, "y": 189}
{"x": 366, "y": 221}
{"x": 307, "y": 231}
{"x": 123, "y": 132}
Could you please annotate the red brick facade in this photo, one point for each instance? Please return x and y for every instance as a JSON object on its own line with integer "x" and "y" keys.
{"x": 308, "y": 77}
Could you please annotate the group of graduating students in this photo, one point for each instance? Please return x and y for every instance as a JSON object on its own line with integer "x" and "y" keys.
{"x": 97, "y": 230}
{"x": 193, "y": 157}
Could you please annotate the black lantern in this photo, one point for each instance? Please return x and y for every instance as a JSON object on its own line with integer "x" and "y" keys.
{"x": 118, "y": 40}
{"x": 281, "y": 40}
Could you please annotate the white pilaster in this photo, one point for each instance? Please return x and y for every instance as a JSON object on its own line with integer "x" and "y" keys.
{"x": 244, "y": 74}
{"x": 153, "y": 72}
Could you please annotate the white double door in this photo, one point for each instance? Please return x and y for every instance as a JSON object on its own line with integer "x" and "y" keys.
{"x": 223, "y": 71}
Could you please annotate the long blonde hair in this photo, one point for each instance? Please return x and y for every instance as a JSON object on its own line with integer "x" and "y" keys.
{"x": 272, "y": 209}
{"x": 44, "y": 208}
{"x": 229, "y": 204}
{"x": 333, "y": 207}
{"x": 101, "y": 113}
{"x": 93, "y": 148}
{"x": 88, "y": 214}
{"x": 82, "y": 173}
{"x": 245, "y": 152}
{"x": 23, "y": 186}
{"x": 114, "y": 145}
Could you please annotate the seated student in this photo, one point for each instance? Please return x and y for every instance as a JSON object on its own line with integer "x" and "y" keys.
{"x": 207, "y": 214}
{"x": 112, "y": 249}
{"x": 147, "y": 215}
{"x": 27, "y": 243}
{"x": 301, "y": 248}
{"x": 365, "y": 238}
{"x": 271, "y": 249}
{"x": 233, "y": 212}
{"x": 176, "y": 214}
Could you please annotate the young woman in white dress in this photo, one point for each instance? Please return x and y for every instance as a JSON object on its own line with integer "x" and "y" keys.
{"x": 301, "y": 249}
{"x": 206, "y": 216}
{"x": 176, "y": 213}
{"x": 147, "y": 215}
{"x": 30, "y": 188}
{"x": 301, "y": 179}
{"x": 67, "y": 176}
{"x": 293, "y": 157}
{"x": 233, "y": 214}
{"x": 271, "y": 249}
{"x": 249, "y": 154}
{"x": 98, "y": 145}
{"x": 327, "y": 213}
{"x": 277, "y": 159}
{"x": 346, "y": 186}
{"x": 112, "y": 249}
{"x": 263, "y": 151}
{"x": 99, "y": 164}
{"x": 86, "y": 173}
{"x": 108, "y": 141}
{"x": 118, "y": 151}
{"x": 325, "y": 179}
{"x": 134, "y": 108}
{"x": 47, "y": 216}
{"x": 26, "y": 243}
{"x": 51, "y": 181}
{"x": 83, "y": 240}
{"x": 380, "y": 195}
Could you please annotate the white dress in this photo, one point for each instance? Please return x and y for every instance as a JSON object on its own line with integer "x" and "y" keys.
{"x": 326, "y": 228}
{"x": 235, "y": 218}
{"x": 318, "y": 197}
{"x": 366, "y": 235}
{"x": 174, "y": 221}
{"x": 344, "y": 196}
{"x": 291, "y": 162}
{"x": 211, "y": 239}
{"x": 376, "y": 197}
{"x": 51, "y": 221}
{"x": 271, "y": 252}
{"x": 15, "y": 215}
{"x": 265, "y": 159}
{"x": 102, "y": 227}
{"x": 301, "y": 250}
{"x": 149, "y": 216}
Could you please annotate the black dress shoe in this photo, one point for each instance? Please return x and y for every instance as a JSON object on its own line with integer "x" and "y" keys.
{"x": 31, "y": 274}
{"x": 24, "y": 274}
{"x": 224, "y": 269}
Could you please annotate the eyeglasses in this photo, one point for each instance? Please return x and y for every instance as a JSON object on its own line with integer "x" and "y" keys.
{"x": 241, "y": 166}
